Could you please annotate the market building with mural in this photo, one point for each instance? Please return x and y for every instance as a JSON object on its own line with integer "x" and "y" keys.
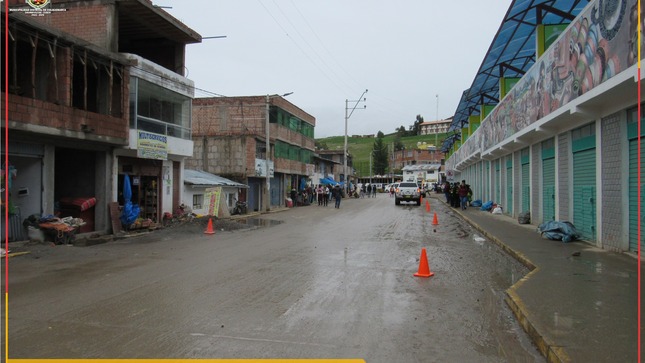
{"x": 550, "y": 124}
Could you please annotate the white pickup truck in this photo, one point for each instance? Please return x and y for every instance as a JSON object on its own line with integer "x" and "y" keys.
{"x": 407, "y": 192}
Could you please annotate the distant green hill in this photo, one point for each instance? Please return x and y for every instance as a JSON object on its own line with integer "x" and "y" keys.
{"x": 361, "y": 147}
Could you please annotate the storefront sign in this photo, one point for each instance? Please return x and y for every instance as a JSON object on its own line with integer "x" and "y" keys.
{"x": 152, "y": 146}
{"x": 211, "y": 200}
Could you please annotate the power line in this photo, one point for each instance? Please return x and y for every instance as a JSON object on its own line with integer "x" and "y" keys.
{"x": 323, "y": 44}
{"x": 309, "y": 45}
{"x": 300, "y": 48}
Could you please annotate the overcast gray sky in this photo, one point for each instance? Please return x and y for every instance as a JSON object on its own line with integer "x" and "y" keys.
{"x": 404, "y": 52}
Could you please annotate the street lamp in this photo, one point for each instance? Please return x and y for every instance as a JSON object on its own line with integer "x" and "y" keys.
{"x": 360, "y": 99}
{"x": 267, "y": 198}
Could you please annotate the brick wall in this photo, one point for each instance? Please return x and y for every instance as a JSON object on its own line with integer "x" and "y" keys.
{"x": 294, "y": 110}
{"x": 612, "y": 193}
{"x": 89, "y": 20}
{"x": 564, "y": 152}
{"x": 292, "y": 137}
{"x": 227, "y": 116}
{"x": 245, "y": 118}
{"x": 226, "y": 156}
{"x": 401, "y": 157}
{"x": 31, "y": 111}
{"x": 290, "y": 167}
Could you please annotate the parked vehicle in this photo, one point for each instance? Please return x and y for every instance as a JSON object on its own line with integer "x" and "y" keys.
{"x": 240, "y": 207}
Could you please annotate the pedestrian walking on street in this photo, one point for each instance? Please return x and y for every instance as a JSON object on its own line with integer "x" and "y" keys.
{"x": 319, "y": 194}
{"x": 327, "y": 195}
{"x": 336, "y": 193}
{"x": 374, "y": 191}
{"x": 369, "y": 190}
{"x": 463, "y": 194}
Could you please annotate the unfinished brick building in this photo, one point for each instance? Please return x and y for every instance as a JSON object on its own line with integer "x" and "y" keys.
{"x": 230, "y": 134}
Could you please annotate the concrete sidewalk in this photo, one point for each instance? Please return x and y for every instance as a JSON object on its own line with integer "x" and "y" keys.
{"x": 579, "y": 302}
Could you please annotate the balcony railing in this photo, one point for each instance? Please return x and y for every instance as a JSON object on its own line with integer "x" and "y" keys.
{"x": 163, "y": 128}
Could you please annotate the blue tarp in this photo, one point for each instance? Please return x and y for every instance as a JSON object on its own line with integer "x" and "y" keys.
{"x": 328, "y": 181}
{"x": 487, "y": 206}
{"x": 557, "y": 230}
{"x": 130, "y": 212}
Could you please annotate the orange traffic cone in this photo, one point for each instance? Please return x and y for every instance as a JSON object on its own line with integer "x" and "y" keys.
{"x": 435, "y": 221}
{"x": 427, "y": 206}
{"x": 424, "y": 269}
{"x": 209, "y": 228}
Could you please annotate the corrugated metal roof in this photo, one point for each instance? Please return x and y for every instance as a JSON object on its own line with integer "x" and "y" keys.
{"x": 199, "y": 177}
{"x": 512, "y": 50}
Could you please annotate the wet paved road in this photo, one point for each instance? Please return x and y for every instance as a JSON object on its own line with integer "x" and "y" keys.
{"x": 325, "y": 283}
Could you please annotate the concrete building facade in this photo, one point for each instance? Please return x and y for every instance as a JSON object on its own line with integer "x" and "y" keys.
{"x": 336, "y": 158}
{"x": 435, "y": 127}
{"x": 110, "y": 100}
{"x": 406, "y": 157}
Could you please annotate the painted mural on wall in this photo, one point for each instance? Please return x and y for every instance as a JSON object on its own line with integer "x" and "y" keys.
{"x": 599, "y": 44}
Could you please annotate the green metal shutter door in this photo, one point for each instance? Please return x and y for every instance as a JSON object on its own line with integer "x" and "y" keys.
{"x": 498, "y": 183}
{"x": 633, "y": 195}
{"x": 480, "y": 188}
{"x": 584, "y": 193}
{"x": 526, "y": 189}
{"x": 487, "y": 197}
{"x": 509, "y": 187}
{"x": 548, "y": 189}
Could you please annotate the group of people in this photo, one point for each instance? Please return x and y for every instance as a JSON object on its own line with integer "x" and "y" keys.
{"x": 369, "y": 190}
{"x": 304, "y": 197}
{"x": 325, "y": 193}
{"x": 458, "y": 194}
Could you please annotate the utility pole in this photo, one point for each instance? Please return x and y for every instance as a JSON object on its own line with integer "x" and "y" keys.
{"x": 347, "y": 116}
{"x": 267, "y": 197}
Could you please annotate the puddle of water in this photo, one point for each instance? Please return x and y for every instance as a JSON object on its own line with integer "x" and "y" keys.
{"x": 479, "y": 240}
{"x": 258, "y": 222}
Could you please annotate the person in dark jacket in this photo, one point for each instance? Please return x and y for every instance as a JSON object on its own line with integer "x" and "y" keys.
{"x": 454, "y": 195}
{"x": 337, "y": 194}
{"x": 463, "y": 192}
{"x": 446, "y": 191}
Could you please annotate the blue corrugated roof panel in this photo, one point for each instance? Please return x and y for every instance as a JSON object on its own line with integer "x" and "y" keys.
{"x": 514, "y": 45}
